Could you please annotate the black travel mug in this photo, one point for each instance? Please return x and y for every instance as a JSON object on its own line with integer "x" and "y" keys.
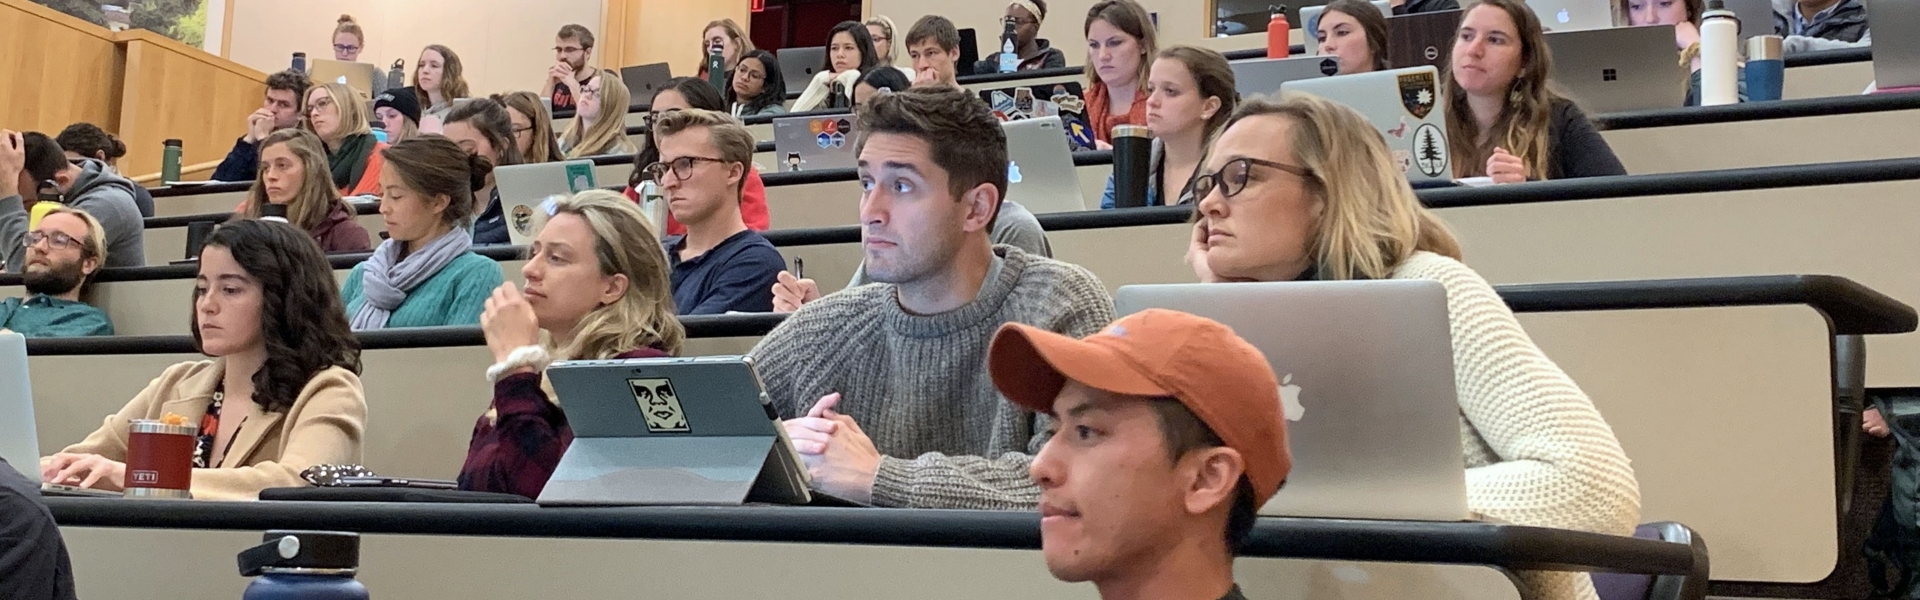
{"x": 197, "y": 233}
{"x": 1132, "y": 150}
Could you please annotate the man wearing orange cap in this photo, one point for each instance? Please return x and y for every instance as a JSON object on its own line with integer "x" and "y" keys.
{"x": 1168, "y": 437}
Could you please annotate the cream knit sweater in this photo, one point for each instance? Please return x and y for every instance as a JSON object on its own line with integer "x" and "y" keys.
{"x": 1537, "y": 451}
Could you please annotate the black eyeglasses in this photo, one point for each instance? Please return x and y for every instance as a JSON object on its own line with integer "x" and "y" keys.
{"x": 654, "y": 117}
{"x": 1019, "y": 21}
{"x": 58, "y": 240}
{"x": 682, "y": 167}
{"x": 345, "y": 48}
{"x": 50, "y": 190}
{"x": 1232, "y": 177}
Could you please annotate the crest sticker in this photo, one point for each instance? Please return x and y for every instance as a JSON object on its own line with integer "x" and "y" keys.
{"x": 1418, "y": 93}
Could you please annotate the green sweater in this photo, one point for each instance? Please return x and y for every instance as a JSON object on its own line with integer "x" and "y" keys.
{"x": 47, "y": 316}
{"x": 454, "y": 296}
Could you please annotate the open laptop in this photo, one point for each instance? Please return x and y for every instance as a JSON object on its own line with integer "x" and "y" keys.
{"x": 1619, "y": 69}
{"x": 671, "y": 431}
{"x": 1310, "y": 24}
{"x": 1423, "y": 39}
{"x": 1756, "y": 18}
{"x": 1575, "y": 15}
{"x": 814, "y": 143}
{"x": 19, "y": 442}
{"x": 1405, "y": 105}
{"x": 969, "y": 52}
{"x": 1265, "y": 76}
{"x": 1896, "y": 51}
{"x": 359, "y": 76}
{"x": 643, "y": 80}
{"x": 1040, "y": 173}
{"x": 1367, "y": 386}
{"x": 524, "y": 189}
{"x": 1066, "y": 100}
{"x": 797, "y": 65}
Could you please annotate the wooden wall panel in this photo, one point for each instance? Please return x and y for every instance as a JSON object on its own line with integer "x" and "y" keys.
{"x": 176, "y": 91}
{"x": 58, "y": 70}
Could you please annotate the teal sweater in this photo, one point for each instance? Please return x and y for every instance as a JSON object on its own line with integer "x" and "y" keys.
{"x": 454, "y": 296}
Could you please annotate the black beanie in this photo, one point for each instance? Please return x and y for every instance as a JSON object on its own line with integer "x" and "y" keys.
{"x": 403, "y": 100}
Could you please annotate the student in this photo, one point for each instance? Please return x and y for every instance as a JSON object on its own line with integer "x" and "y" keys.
{"x": 1503, "y": 121}
{"x": 884, "y": 357}
{"x": 720, "y": 265}
{"x": 935, "y": 47}
{"x": 878, "y": 79}
{"x": 438, "y": 80}
{"x": 425, "y": 274}
{"x": 1168, "y": 438}
{"x": 572, "y": 50}
{"x": 86, "y": 140}
{"x": 886, "y": 49}
{"x": 532, "y": 130}
{"x": 35, "y": 565}
{"x": 599, "y": 124}
{"x": 1035, "y": 53}
{"x": 1013, "y": 226}
{"x": 1305, "y": 188}
{"x": 281, "y": 392}
{"x": 730, "y": 38}
{"x": 64, "y": 253}
{"x": 687, "y": 93}
{"x": 1836, "y": 20}
{"x": 337, "y": 114}
{"x": 293, "y": 173}
{"x": 399, "y": 114}
{"x": 482, "y": 128}
{"x": 1190, "y": 94}
{"x": 758, "y": 86}
{"x": 1354, "y": 32}
{"x": 34, "y": 168}
{"x": 348, "y": 40}
{"x": 283, "y": 107}
{"x": 1120, "y": 40}
{"x": 849, "y": 54}
{"x": 597, "y": 285}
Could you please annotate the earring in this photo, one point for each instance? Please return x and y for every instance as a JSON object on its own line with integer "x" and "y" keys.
{"x": 1514, "y": 96}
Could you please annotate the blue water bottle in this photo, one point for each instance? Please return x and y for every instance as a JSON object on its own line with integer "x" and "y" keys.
{"x": 1766, "y": 70}
{"x": 304, "y": 565}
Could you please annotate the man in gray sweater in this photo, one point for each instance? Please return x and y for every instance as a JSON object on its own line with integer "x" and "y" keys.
{"x": 32, "y": 161}
{"x": 884, "y": 386}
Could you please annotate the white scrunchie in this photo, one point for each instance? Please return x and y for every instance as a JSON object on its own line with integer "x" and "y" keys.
{"x": 524, "y": 356}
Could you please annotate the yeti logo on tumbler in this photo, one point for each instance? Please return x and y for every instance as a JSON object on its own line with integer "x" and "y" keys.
{"x": 660, "y": 405}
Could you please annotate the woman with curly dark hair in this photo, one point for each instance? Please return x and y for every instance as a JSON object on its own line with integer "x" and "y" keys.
{"x": 282, "y": 392}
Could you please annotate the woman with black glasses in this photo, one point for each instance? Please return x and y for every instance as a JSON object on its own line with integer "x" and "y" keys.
{"x": 758, "y": 86}
{"x": 685, "y": 93}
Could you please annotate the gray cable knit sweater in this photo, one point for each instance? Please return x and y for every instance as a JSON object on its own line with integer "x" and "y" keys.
{"x": 919, "y": 385}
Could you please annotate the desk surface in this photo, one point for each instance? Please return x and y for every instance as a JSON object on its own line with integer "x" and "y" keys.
{"x": 1505, "y": 546}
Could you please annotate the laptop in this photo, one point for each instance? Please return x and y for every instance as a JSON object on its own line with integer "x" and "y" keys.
{"x": 1367, "y": 387}
{"x": 797, "y": 65}
{"x": 1575, "y": 15}
{"x": 1756, "y": 18}
{"x": 644, "y": 80}
{"x": 1310, "y": 24}
{"x": 814, "y": 143}
{"x": 1066, "y": 100}
{"x": 1619, "y": 69}
{"x": 1265, "y": 76}
{"x": 655, "y": 431}
{"x": 1405, "y": 105}
{"x": 1040, "y": 172}
{"x": 359, "y": 76}
{"x": 19, "y": 442}
{"x": 1896, "y": 52}
{"x": 1424, "y": 39}
{"x": 969, "y": 52}
{"x": 524, "y": 190}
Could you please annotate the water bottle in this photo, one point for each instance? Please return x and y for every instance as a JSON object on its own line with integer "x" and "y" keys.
{"x": 1132, "y": 153}
{"x": 170, "y": 161}
{"x": 397, "y": 76}
{"x": 1719, "y": 55}
{"x": 1279, "y": 33}
{"x": 274, "y": 212}
{"x": 1009, "y": 50}
{"x": 717, "y": 68}
{"x": 300, "y": 62}
{"x": 304, "y": 565}
{"x": 1766, "y": 72}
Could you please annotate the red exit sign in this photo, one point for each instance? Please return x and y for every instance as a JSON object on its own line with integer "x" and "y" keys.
{"x": 759, "y": 5}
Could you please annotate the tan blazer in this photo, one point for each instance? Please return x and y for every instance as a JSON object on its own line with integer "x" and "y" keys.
{"x": 325, "y": 426}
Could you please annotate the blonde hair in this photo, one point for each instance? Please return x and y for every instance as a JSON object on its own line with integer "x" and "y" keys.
{"x": 732, "y": 140}
{"x": 352, "y": 108}
{"x": 92, "y": 247}
{"x": 608, "y": 134}
{"x": 546, "y": 147}
{"x": 1522, "y": 129}
{"x": 1372, "y": 221}
{"x": 625, "y": 244}
{"x": 893, "y": 41}
{"x": 348, "y": 26}
{"x": 315, "y": 197}
{"x": 740, "y": 40}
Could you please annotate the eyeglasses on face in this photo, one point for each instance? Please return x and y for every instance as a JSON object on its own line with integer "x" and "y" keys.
{"x": 1232, "y": 177}
{"x": 56, "y": 240}
{"x": 682, "y": 167}
{"x": 319, "y": 104}
{"x": 345, "y": 48}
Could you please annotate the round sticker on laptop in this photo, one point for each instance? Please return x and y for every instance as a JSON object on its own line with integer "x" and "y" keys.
{"x": 522, "y": 219}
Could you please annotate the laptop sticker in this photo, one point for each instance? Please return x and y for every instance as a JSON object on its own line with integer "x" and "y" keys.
{"x": 793, "y": 162}
{"x": 580, "y": 177}
{"x": 825, "y": 140}
{"x": 521, "y": 219}
{"x": 1430, "y": 150}
{"x": 1417, "y": 93}
{"x": 1329, "y": 67}
{"x": 660, "y": 405}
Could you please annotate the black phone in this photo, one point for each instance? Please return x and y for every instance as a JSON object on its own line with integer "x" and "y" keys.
{"x": 399, "y": 482}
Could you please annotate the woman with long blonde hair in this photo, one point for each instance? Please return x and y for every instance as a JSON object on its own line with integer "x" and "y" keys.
{"x": 532, "y": 130}
{"x": 337, "y": 115}
{"x": 730, "y": 38}
{"x": 1503, "y": 120}
{"x": 598, "y": 285}
{"x": 1305, "y": 188}
{"x": 599, "y": 124}
{"x": 293, "y": 167}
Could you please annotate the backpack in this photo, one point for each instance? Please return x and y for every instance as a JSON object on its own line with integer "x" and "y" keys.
{"x": 1893, "y": 547}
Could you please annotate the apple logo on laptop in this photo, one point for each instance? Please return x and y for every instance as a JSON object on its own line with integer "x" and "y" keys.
{"x": 1290, "y": 406}
{"x": 1013, "y": 172}
{"x": 1563, "y": 16}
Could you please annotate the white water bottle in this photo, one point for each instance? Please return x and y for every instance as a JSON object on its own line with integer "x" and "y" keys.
{"x": 1719, "y": 55}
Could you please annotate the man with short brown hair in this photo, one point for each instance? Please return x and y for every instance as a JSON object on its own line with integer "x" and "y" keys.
{"x": 720, "y": 265}
{"x": 572, "y": 50}
{"x": 282, "y": 108}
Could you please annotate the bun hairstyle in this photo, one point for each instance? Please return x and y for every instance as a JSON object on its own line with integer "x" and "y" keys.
{"x": 89, "y": 140}
{"x": 347, "y": 25}
{"x": 436, "y": 166}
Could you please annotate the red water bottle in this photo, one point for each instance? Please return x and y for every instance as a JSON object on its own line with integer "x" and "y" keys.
{"x": 1279, "y": 33}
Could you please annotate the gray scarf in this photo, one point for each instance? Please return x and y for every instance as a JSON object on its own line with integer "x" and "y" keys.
{"x": 387, "y": 278}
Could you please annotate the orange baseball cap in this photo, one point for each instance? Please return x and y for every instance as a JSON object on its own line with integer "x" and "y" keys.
{"x": 1224, "y": 380}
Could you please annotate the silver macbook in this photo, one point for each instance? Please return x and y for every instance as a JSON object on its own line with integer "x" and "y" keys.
{"x": 1618, "y": 70}
{"x": 814, "y": 143}
{"x": 525, "y": 188}
{"x": 1367, "y": 386}
{"x": 1405, "y": 105}
{"x": 797, "y": 65}
{"x": 671, "y": 431}
{"x": 1576, "y": 15}
{"x": 19, "y": 442}
{"x": 1265, "y": 76}
{"x": 1310, "y": 24}
{"x": 1896, "y": 51}
{"x": 1040, "y": 173}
